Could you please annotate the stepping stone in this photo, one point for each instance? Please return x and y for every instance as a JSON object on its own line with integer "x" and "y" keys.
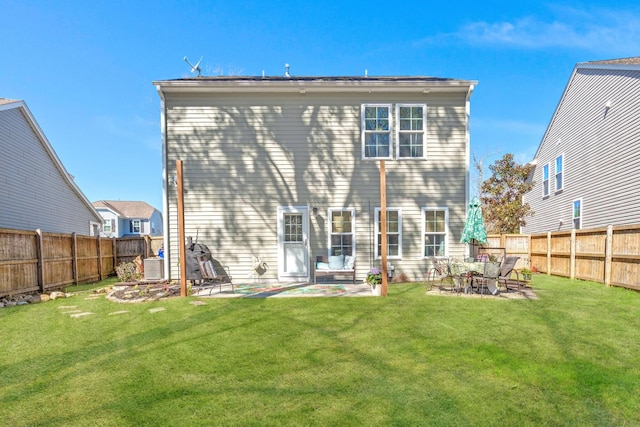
{"x": 118, "y": 312}
{"x": 156, "y": 310}
{"x": 84, "y": 313}
{"x": 64, "y": 307}
{"x": 198, "y": 303}
{"x": 72, "y": 311}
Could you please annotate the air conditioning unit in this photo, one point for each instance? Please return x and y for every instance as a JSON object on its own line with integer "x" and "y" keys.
{"x": 153, "y": 269}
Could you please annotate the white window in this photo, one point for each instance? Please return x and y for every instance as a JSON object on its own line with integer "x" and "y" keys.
{"x": 559, "y": 173}
{"x": 134, "y": 226}
{"x": 108, "y": 227}
{"x": 545, "y": 180}
{"x": 411, "y": 131}
{"x": 342, "y": 231}
{"x": 376, "y": 131}
{"x": 394, "y": 233}
{"x": 577, "y": 214}
{"x": 435, "y": 225}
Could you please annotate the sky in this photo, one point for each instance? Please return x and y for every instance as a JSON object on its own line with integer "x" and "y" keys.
{"x": 85, "y": 69}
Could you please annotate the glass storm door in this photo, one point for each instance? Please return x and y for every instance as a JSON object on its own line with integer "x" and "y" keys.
{"x": 293, "y": 254}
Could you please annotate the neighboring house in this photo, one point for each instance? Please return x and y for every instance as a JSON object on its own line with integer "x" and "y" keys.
{"x": 128, "y": 219}
{"x": 279, "y": 170}
{"x": 36, "y": 191}
{"x": 587, "y": 167}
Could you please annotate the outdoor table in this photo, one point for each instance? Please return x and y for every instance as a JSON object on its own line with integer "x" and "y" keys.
{"x": 476, "y": 269}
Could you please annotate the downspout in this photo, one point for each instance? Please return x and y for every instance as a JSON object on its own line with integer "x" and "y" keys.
{"x": 467, "y": 109}
{"x": 165, "y": 199}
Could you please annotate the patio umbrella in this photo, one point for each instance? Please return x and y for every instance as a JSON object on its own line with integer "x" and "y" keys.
{"x": 474, "y": 230}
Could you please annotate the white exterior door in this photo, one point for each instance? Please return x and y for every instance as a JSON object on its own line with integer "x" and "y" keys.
{"x": 293, "y": 252}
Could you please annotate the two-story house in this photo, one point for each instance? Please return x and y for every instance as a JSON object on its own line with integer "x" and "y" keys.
{"x": 36, "y": 191}
{"x": 128, "y": 218}
{"x": 283, "y": 169}
{"x": 587, "y": 165}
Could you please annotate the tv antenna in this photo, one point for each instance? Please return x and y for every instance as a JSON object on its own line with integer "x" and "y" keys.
{"x": 194, "y": 68}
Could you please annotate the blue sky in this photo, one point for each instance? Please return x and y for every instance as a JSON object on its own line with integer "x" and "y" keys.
{"x": 85, "y": 69}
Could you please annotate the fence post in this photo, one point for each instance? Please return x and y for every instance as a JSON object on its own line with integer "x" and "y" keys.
{"x": 99, "y": 257}
{"x": 608, "y": 256}
{"x": 548, "y": 253}
{"x": 572, "y": 255}
{"x": 74, "y": 258}
{"x": 115, "y": 254}
{"x": 39, "y": 254}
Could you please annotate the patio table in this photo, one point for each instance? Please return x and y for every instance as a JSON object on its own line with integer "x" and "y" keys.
{"x": 476, "y": 269}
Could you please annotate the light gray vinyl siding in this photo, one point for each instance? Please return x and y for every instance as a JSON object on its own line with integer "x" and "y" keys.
{"x": 33, "y": 192}
{"x": 245, "y": 155}
{"x": 601, "y": 152}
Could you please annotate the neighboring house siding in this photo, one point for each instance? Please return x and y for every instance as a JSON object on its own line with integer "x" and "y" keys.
{"x": 33, "y": 192}
{"x": 601, "y": 153}
{"x": 245, "y": 155}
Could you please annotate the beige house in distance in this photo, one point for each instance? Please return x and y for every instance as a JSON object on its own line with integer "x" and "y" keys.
{"x": 284, "y": 169}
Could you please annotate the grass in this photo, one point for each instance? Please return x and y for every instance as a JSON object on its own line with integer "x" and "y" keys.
{"x": 570, "y": 358}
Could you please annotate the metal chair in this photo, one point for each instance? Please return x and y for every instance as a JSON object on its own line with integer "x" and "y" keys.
{"x": 506, "y": 270}
{"x": 439, "y": 271}
{"x": 489, "y": 279}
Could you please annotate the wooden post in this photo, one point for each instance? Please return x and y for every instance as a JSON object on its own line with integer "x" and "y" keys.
{"x": 99, "y": 243}
{"x": 608, "y": 256}
{"x": 40, "y": 253}
{"x": 548, "y": 253}
{"x": 383, "y": 226}
{"x": 74, "y": 258}
{"x": 114, "y": 242}
{"x": 572, "y": 255}
{"x": 181, "y": 233}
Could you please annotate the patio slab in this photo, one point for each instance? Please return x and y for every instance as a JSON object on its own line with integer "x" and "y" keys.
{"x": 281, "y": 290}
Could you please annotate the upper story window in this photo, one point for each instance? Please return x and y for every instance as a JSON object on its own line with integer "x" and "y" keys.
{"x": 435, "y": 223}
{"x": 376, "y": 131}
{"x": 577, "y": 214}
{"x": 559, "y": 173}
{"x": 545, "y": 180}
{"x": 411, "y": 131}
{"x": 379, "y": 128}
{"x": 394, "y": 233}
{"x": 134, "y": 226}
{"x": 341, "y": 232}
{"x": 107, "y": 227}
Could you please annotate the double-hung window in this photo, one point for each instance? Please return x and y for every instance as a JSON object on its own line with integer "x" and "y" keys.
{"x": 559, "y": 173}
{"x": 577, "y": 214}
{"x": 342, "y": 232}
{"x": 545, "y": 180}
{"x": 108, "y": 227}
{"x": 134, "y": 226}
{"x": 411, "y": 131}
{"x": 394, "y": 233}
{"x": 376, "y": 131}
{"x": 435, "y": 223}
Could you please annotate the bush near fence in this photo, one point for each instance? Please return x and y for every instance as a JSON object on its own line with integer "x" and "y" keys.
{"x": 39, "y": 261}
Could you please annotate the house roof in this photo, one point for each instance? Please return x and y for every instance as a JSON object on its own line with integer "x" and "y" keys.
{"x": 631, "y": 63}
{"x": 6, "y": 104}
{"x": 127, "y": 209}
{"x": 304, "y": 84}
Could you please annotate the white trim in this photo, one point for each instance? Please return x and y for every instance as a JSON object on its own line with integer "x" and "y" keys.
{"x": 376, "y": 217}
{"x": 304, "y": 210}
{"x": 353, "y": 228}
{"x": 398, "y": 131}
{"x": 573, "y": 218}
{"x": 447, "y": 232}
{"x": 165, "y": 194}
{"x": 548, "y": 189}
{"x": 555, "y": 173}
{"x": 363, "y": 131}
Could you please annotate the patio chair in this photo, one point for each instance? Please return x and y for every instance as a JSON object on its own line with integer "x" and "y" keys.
{"x": 439, "y": 271}
{"x": 489, "y": 279}
{"x": 506, "y": 270}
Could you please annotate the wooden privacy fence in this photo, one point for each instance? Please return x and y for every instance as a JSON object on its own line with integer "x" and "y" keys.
{"x": 40, "y": 261}
{"x": 609, "y": 255}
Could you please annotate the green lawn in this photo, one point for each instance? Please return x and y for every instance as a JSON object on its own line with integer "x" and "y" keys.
{"x": 570, "y": 358}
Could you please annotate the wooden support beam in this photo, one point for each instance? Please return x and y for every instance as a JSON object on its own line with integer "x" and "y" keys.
{"x": 181, "y": 232}
{"x": 383, "y": 226}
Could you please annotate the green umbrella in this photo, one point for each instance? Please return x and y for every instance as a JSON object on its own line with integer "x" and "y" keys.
{"x": 474, "y": 230}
